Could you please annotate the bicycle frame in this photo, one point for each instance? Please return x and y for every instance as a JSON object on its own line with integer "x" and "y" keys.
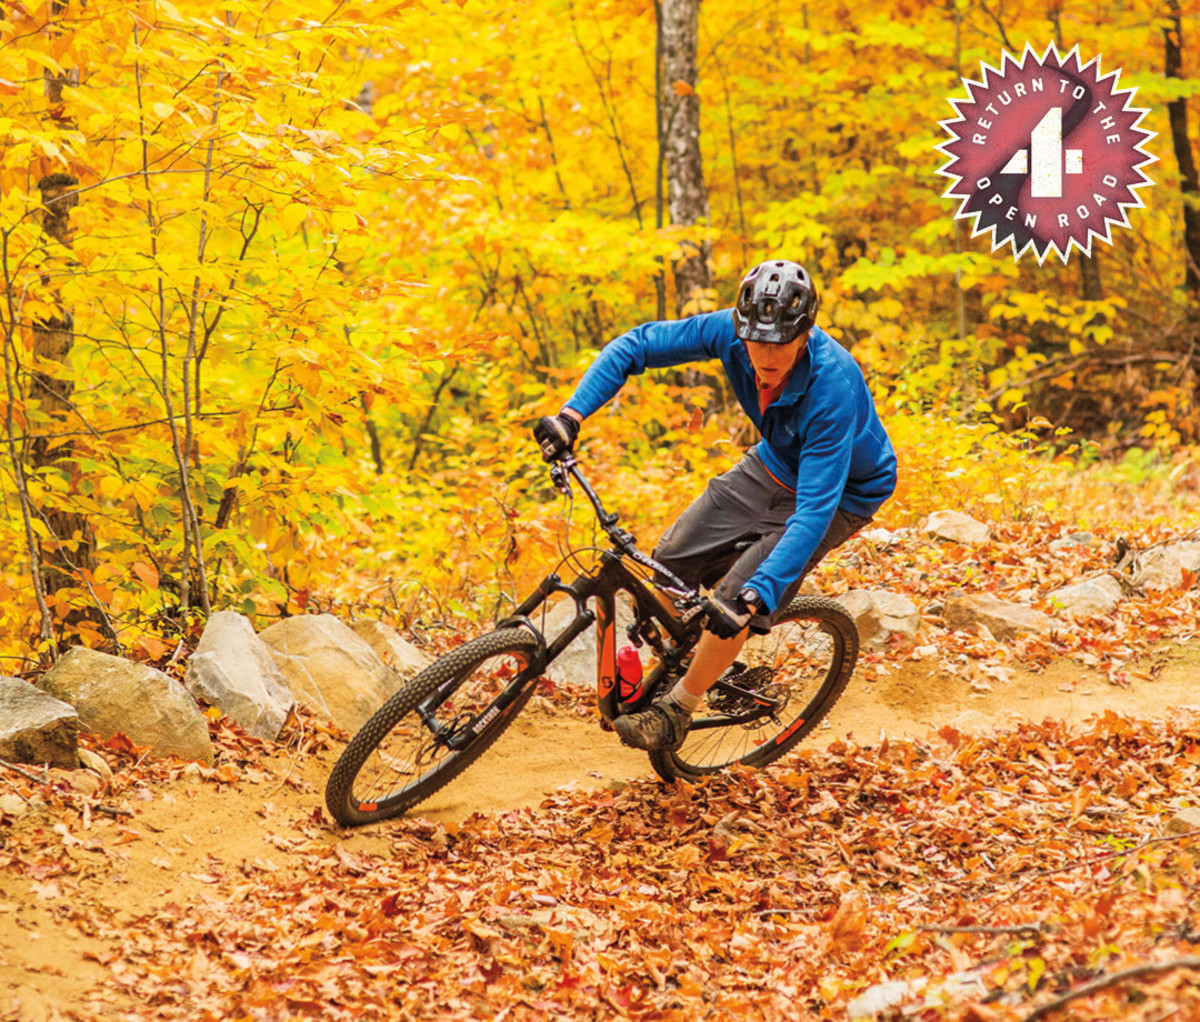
{"x": 651, "y": 619}
{"x": 613, "y": 577}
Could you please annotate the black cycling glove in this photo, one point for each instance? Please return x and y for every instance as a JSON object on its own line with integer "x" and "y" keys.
{"x": 727, "y": 618}
{"x": 555, "y": 435}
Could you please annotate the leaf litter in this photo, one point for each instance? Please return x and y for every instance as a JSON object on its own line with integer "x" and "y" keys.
{"x": 980, "y": 876}
{"x": 964, "y": 876}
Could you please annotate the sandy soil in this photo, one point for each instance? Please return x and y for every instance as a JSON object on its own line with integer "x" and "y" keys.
{"x": 192, "y": 833}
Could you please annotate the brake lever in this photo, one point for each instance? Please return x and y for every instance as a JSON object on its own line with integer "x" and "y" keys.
{"x": 561, "y": 480}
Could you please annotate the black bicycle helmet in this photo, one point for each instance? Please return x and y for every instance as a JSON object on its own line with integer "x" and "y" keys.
{"x": 777, "y": 302}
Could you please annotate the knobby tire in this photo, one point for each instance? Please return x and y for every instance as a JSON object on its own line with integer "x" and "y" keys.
{"x": 839, "y": 654}
{"x": 348, "y": 806}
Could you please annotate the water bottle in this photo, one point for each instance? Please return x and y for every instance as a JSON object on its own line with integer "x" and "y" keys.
{"x": 629, "y": 674}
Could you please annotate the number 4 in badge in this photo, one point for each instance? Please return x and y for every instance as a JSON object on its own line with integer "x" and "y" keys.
{"x": 1045, "y": 143}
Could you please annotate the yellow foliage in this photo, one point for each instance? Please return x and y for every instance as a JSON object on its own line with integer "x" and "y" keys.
{"x": 303, "y": 231}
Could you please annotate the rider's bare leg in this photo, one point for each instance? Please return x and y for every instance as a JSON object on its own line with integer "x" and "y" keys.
{"x": 712, "y": 658}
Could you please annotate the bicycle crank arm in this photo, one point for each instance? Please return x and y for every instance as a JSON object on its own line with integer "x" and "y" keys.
{"x": 730, "y": 720}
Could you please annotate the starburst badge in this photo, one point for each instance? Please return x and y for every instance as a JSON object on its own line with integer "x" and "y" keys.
{"x": 1045, "y": 153}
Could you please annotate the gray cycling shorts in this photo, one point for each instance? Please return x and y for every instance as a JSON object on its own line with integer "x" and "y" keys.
{"x": 743, "y": 506}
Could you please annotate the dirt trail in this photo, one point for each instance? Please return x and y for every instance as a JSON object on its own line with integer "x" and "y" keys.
{"x": 193, "y": 834}
{"x": 541, "y": 752}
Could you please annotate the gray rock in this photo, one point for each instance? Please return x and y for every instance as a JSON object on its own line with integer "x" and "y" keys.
{"x": 957, "y": 527}
{"x": 1093, "y": 597}
{"x": 879, "y": 614}
{"x": 879, "y": 537}
{"x": 878, "y": 998}
{"x": 398, "y": 653}
{"x": 331, "y": 668}
{"x": 1162, "y": 566}
{"x": 1003, "y": 619}
{"x": 115, "y": 695}
{"x": 232, "y": 669}
{"x": 1183, "y": 821}
{"x": 36, "y": 727}
{"x": 1072, "y": 540}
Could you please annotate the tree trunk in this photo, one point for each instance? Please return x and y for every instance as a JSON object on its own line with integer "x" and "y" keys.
{"x": 53, "y": 338}
{"x": 679, "y": 113}
{"x": 660, "y": 278}
{"x": 1089, "y": 270}
{"x": 1189, "y": 185}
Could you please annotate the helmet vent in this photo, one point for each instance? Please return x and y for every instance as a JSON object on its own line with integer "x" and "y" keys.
{"x": 777, "y": 302}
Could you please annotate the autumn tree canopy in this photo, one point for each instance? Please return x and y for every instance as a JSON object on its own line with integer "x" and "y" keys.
{"x": 284, "y": 285}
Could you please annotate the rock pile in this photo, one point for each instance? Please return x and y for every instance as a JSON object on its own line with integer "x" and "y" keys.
{"x": 254, "y": 680}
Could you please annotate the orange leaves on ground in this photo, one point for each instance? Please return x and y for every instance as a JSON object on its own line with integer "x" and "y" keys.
{"x": 986, "y": 904}
{"x": 848, "y": 922}
{"x": 529, "y": 912}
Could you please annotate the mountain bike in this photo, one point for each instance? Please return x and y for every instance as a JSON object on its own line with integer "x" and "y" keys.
{"x": 443, "y": 719}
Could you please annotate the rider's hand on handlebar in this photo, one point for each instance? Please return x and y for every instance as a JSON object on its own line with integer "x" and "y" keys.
{"x": 555, "y": 435}
{"x": 727, "y": 618}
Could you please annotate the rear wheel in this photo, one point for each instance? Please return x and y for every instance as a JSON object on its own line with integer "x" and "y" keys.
{"x": 790, "y": 679}
{"x": 435, "y": 726}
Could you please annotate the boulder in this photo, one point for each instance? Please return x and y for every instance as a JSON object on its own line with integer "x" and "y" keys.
{"x": 1072, "y": 540}
{"x": 1183, "y": 821}
{"x": 957, "y": 527}
{"x": 331, "y": 668}
{"x": 576, "y": 665}
{"x": 36, "y": 727}
{"x": 1003, "y": 619}
{"x": 1093, "y": 597}
{"x": 879, "y": 537}
{"x": 233, "y": 670}
{"x": 879, "y": 614}
{"x": 1162, "y": 566}
{"x": 115, "y": 695}
{"x": 398, "y": 653}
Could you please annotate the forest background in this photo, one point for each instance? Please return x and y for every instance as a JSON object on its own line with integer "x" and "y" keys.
{"x": 285, "y": 285}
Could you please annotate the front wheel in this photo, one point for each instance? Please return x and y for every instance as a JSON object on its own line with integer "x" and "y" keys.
{"x": 791, "y": 678}
{"x": 435, "y": 726}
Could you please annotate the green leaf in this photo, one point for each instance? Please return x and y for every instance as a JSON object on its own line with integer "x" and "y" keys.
{"x": 900, "y": 943}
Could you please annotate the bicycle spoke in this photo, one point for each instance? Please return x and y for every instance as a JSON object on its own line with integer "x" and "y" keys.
{"x": 791, "y": 671}
{"x": 418, "y": 746}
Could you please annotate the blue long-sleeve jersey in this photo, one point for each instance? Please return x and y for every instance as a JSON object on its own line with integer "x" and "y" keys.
{"x": 821, "y": 437}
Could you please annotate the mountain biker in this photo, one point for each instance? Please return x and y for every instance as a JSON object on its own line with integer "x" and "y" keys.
{"x": 822, "y": 469}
